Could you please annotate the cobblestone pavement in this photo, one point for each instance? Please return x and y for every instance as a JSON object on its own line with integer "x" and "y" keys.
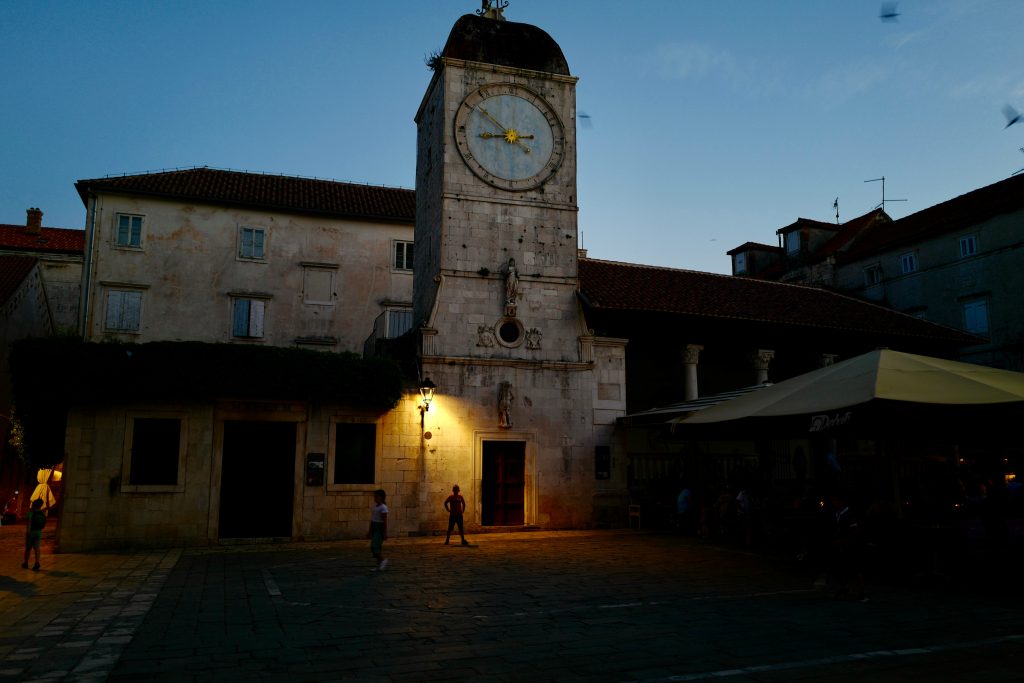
{"x": 542, "y": 606}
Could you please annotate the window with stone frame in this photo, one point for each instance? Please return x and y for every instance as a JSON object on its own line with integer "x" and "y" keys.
{"x": 128, "y": 231}
{"x": 968, "y": 246}
{"x": 123, "y": 310}
{"x": 248, "y": 318}
{"x": 154, "y": 458}
{"x": 252, "y": 243}
{"x": 353, "y": 457}
{"x": 908, "y": 263}
{"x": 402, "y": 255}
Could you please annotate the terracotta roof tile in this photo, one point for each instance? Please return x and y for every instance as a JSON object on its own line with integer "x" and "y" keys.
{"x": 958, "y": 213}
{"x": 616, "y": 286}
{"x": 13, "y": 270}
{"x": 57, "y": 240}
{"x": 275, "y": 192}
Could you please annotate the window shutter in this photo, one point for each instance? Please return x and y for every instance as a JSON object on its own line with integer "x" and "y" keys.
{"x": 114, "y": 310}
{"x": 136, "y": 233}
{"x": 257, "y": 243}
{"x": 246, "y": 242}
{"x": 255, "y": 318}
{"x": 132, "y": 310}
{"x": 241, "y": 324}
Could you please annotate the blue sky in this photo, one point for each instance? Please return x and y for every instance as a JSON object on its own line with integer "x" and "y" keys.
{"x": 714, "y": 123}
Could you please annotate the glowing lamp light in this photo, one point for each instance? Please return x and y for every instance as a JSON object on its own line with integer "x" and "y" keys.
{"x": 427, "y": 393}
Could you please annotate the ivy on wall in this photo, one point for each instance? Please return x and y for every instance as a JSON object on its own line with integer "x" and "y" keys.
{"x": 52, "y": 374}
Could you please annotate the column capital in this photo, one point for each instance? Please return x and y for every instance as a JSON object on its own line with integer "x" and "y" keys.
{"x": 691, "y": 353}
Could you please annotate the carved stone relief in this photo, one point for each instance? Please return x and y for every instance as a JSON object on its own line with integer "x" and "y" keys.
{"x": 485, "y": 336}
{"x": 533, "y": 337}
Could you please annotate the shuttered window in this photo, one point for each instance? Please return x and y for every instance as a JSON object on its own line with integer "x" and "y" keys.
{"x": 248, "y": 318}
{"x": 399, "y": 322}
{"x": 124, "y": 310}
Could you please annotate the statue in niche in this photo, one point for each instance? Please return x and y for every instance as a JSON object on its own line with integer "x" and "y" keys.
{"x": 505, "y": 399}
{"x": 533, "y": 338}
{"x": 511, "y": 288}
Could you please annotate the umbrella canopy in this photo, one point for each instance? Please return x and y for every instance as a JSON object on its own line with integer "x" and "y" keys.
{"x": 880, "y": 384}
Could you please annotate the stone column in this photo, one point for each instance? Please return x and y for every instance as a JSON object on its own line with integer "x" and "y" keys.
{"x": 691, "y": 354}
{"x": 762, "y": 358}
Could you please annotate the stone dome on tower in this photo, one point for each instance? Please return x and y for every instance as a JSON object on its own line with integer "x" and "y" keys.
{"x": 505, "y": 43}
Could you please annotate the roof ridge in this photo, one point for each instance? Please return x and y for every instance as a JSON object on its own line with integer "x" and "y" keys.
{"x": 182, "y": 169}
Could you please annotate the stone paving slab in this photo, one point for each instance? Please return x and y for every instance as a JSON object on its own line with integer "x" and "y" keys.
{"x": 542, "y": 606}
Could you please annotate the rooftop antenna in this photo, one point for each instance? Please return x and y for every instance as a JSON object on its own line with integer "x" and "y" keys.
{"x": 884, "y": 200}
{"x": 835, "y": 205}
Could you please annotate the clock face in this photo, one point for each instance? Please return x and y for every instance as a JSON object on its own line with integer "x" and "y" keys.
{"x": 509, "y": 136}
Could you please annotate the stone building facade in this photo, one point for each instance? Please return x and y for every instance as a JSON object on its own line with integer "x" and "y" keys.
{"x": 527, "y": 342}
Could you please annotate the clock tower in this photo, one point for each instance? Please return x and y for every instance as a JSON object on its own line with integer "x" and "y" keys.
{"x": 495, "y": 278}
{"x": 496, "y": 183}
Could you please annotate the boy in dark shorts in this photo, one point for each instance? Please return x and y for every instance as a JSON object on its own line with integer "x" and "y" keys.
{"x": 455, "y": 504}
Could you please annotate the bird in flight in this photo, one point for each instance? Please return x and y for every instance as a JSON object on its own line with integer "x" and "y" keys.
{"x": 1012, "y": 116}
{"x": 888, "y": 11}
{"x": 585, "y": 121}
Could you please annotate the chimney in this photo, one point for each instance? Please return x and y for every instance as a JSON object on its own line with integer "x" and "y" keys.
{"x": 34, "y": 223}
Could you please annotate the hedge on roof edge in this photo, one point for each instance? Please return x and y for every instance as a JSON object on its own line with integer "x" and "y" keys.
{"x": 51, "y": 374}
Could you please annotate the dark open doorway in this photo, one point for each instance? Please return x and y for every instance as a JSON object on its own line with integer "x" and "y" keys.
{"x": 257, "y": 479}
{"x": 503, "y": 485}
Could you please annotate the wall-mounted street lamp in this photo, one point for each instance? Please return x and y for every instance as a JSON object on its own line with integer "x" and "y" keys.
{"x": 427, "y": 393}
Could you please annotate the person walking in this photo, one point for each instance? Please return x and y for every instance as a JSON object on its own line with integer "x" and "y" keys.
{"x": 378, "y": 531}
{"x": 455, "y": 504}
{"x": 34, "y": 532}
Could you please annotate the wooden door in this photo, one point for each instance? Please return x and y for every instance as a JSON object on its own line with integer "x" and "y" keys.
{"x": 503, "y": 485}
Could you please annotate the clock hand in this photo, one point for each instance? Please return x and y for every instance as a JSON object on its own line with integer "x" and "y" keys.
{"x": 504, "y": 136}
{"x": 493, "y": 120}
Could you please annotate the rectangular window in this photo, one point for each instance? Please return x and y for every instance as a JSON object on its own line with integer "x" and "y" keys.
{"x": 403, "y": 256}
{"x": 739, "y": 263}
{"x": 793, "y": 242}
{"x": 399, "y": 322}
{"x": 318, "y": 285}
{"x": 908, "y": 263}
{"x": 124, "y": 310}
{"x": 250, "y": 243}
{"x": 129, "y": 230}
{"x": 248, "y": 318}
{"x": 976, "y": 316}
{"x": 968, "y": 246}
{"x": 355, "y": 453}
{"x": 156, "y": 445}
{"x": 872, "y": 275}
